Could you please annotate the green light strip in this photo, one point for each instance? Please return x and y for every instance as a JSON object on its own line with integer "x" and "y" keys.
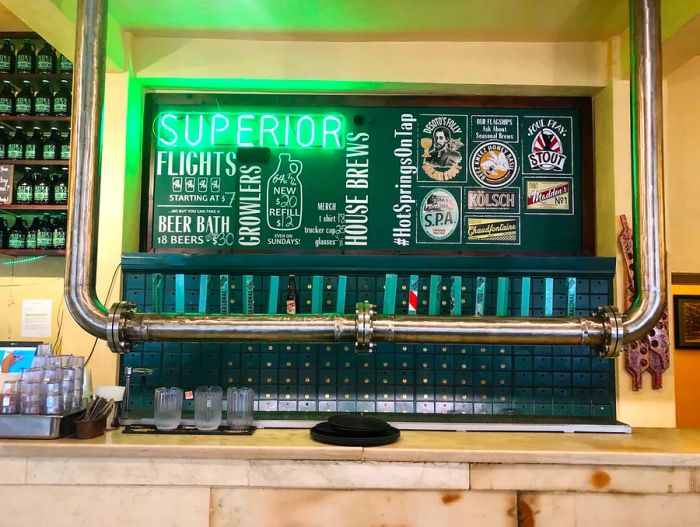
{"x": 26, "y": 259}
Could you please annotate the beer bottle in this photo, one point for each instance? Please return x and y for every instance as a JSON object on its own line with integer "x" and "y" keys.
{"x": 7, "y": 56}
{"x": 15, "y": 146}
{"x": 32, "y": 233}
{"x": 43, "y": 102}
{"x": 3, "y": 144}
{"x": 292, "y": 297}
{"x": 4, "y": 234}
{"x": 59, "y": 233}
{"x": 7, "y": 99}
{"x": 46, "y": 59}
{"x": 60, "y": 187}
{"x": 42, "y": 187}
{"x": 18, "y": 235}
{"x": 62, "y": 100}
{"x": 65, "y": 146}
{"x": 64, "y": 65}
{"x": 24, "y": 188}
{"x": 26, "y": 58}
{"x": 52, "y": 145}
{"x": 34, "y": 145}
{"x": 44, "y": 234}
{"x": 24, "y": 100}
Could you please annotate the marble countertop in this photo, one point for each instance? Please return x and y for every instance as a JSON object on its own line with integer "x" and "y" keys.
{"x": 645, "y": 446}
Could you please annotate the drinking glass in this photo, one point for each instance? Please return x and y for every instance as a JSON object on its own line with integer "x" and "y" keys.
{"x": 208, "y": 401}
{"x": 33, "y": 397}
{"x": 239, "y": 407}
{"x": 167, "y": 408}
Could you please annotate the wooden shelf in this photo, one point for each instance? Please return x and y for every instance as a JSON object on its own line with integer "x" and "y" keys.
{"x": 35, "y": 118}
{"x": 36, "y": 76}
{"x": 35, "y": 162}
{"x": 32, "y": 252}
{"x": 47, "y": 208}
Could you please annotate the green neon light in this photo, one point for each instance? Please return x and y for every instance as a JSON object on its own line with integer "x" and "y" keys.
{"x": 26, "y": 259}
{"x": 233, "y": 129}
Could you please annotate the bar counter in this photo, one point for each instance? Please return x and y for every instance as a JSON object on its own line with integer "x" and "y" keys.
{"x": 282, "y": 477}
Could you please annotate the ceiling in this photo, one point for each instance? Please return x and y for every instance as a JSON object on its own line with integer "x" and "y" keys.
{"x": 434, "y": 20}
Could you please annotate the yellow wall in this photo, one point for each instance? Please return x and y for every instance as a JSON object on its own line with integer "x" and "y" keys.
{"x": 593, "y": 69}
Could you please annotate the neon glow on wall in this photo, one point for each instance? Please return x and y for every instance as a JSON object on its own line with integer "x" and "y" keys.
{"x": 247, "y": 129}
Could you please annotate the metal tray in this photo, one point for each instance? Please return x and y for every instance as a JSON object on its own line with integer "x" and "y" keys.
{"x": 16, "y": 426}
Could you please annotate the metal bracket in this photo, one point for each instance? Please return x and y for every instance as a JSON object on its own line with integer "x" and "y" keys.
{"x": 364, "y": 322}
{"x": 614, "y": 332}
{"x": 114, "y": 326}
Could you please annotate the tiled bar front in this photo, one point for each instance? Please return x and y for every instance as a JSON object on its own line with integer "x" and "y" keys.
{"x": 282, "y": 478}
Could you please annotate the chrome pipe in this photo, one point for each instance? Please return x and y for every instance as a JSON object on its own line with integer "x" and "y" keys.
{"x": 647, "y": 170}
{"x": 123, "y": 326}
{"x": 269, "y": 328}
{"x": 83, "y": 213}
{"x": 490, "y": 330}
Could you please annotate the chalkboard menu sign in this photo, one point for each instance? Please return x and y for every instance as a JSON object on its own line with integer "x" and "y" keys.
{"x": 371, "y": 174}
{"x": 6, "y": 173}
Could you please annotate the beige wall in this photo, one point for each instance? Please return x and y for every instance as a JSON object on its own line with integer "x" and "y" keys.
{"x": 592, "y": 69}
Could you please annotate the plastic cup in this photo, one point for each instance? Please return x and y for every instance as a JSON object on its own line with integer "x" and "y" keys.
{"x": 239, "y": 407}
{"x": 167, "y": 408}
{"x": 208, "y": 402}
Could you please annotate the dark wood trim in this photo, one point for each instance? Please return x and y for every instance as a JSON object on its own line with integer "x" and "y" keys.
{"x": 685, "y": 278}
{"x": 583, "y": 105}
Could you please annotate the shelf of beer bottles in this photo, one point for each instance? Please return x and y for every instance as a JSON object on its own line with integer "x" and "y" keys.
{"x": 35, "y": 162}
{"x": 32, "y": 252}
{"x": 48, "y": 208}
{"x": 37, "y": 118}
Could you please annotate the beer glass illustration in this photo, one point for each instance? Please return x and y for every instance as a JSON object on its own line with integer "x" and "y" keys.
{"x": 426, "y": 143}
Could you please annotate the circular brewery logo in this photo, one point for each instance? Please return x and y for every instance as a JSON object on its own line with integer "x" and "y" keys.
{"x": 494, "y": 165}
{"x": 439, "y": 214}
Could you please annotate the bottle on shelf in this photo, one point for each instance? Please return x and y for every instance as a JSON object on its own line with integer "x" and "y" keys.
{"x": 43, "y": 102}
{"x": 59, "y": 233}
{"x": 15, "y": 145}
{"x": 42, "y": 187}
{"x": 62, "y": 100}
{"x": 7, "y": 56}
{"x": 26, "y": 58}
{"x": 33, "y": 233}
{"x": 46, "y": 59}
{"x": 17, "y": 238}
{"x": 64, "y": 65}
{"x": 4, "y": 234}
{"x": 34, "y": 145}
{"x": 65, "y": 146}
{"x": 3, "y": 144}
{"x": 52, "y": 145}
{"x": 7, "y": 99}
{"x": 24, "y": 188}
{"x": 44, "y": 235}
{"x": 60, "y": 186}
{"x": 292, "y": 296}
{"x": 24, "y": 100}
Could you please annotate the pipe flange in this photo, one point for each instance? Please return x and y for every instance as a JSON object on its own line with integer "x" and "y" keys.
{"x": 115, "y": 322}
{"x": 614, "y": 332}
{"x": 364, "y": 323}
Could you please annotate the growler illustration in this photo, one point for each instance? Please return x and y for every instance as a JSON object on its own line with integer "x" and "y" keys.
{"x": 284, "y": 195}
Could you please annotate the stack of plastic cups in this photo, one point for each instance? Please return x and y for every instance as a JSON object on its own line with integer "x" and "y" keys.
{"x": 78, "y": 366}
{"x": 33, "y": 391}
{"x": 10, "y": 397}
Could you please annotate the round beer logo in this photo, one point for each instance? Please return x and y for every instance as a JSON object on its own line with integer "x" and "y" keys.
{"x": 494, "y": 165}
{"x": 439, "y": 214}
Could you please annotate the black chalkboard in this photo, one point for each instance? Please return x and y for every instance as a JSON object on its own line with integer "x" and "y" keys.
{"x": 303, "y": 173}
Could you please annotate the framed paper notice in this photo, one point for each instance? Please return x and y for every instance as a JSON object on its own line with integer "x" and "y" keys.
{"x": 687, "y": 321}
